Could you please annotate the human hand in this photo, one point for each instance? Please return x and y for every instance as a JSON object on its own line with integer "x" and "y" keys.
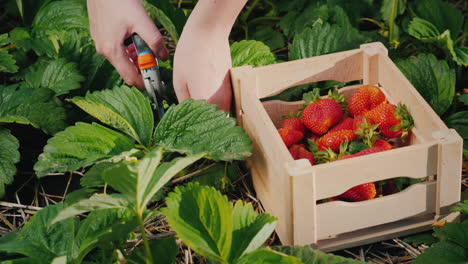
{"x": 201, "y": 67}
{"x": 203, "y": 58}
{"x": 111, "y": 23}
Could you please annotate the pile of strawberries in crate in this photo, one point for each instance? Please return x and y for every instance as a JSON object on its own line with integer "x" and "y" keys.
{"x": 329, "y": 129}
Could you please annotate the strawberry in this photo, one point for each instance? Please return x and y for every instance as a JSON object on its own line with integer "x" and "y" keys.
{"x": 364, "y": 99}
{"x": 293, "y": 123}
{"x": 364, "y": 152}
{"x": 380, "y": 143}
{"x": 345, "y": 124}
{"x": 299, "y": 151}
{"x": 334, "y": 139}
{"x": 321, "y": 113}
{"x": 358, "y": 193}
{"x": 290, "y": 136}
{"x": 394, "y": 121}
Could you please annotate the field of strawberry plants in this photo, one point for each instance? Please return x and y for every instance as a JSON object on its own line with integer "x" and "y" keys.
{"x": 88, "y": 174}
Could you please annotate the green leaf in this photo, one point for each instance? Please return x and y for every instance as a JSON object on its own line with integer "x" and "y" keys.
{"x": 201, "y": 217}
{"x": 163, "y": 12}
{"x": 9, "y": 156}
{"x": 59, "y": 260}
{"x": 61, "y": 15}
{"x": 251, "y": 52}
{"x": 308, "y": 255}
{"x": 158, "y": 15}
{"x": 324, "y": 39}
{"x": 220, "y": 176}
{"x": 80, "y": 146}
{"x": 29, "y": 8}
{"x": 58, "y": 75}
{"x": 140, "y": 181}
{"x": 106, "y": 225}
{"x": 442, "y": 14}
{"x": 460, "y": 207}
{"x": 249, "y": 229}
{"x": 272, "y": 38}
{"x": 123, "y": 108}
{"x": 95, "y": 202}
{"x": 31, "y": 107}
{"x": 427, "y": 32}
{"x": 443, "y": 253}
{"x": 459, "y": 121}
{"x": 388, "y": 7}
{"x": 295, "y": 22}
{"x": 7, "y": 62}
{"x": 434, "y": 80}
{"x": 56, "y": 239}
{"x": 25, "y": 42}
{"x": 454, "y": 232}
{"x": 267, "y": 256}
{"x": 422, "y": 238}
{"x": 195, "y": 127}
{"x": 93, "y": 177}
{"x": 164, "y": 251}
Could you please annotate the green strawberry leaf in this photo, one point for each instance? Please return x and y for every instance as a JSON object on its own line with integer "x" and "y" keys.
{"x": 267, "y": 256}
{"x": 164, "y": 250}
{"x": 324, "y": 39}
{"x": 443, "y": 253}
{"x": 61, "y": 15}
{"x": 31, "y": 107}
{"x": 461, "y": 207}
{"x": 434, "y": 80}
{"x": 441, "y": 14}
{"x": 25, "y": 42}
{"x": 123, "y": 108}
{"x": 249, "y": 229}
{"x": 43, "y": 242}
{"x": 422, "y": 238}
{"x": 427, "y": 32}
{"x": 454, "y": 232}
{"x": 388, "y": 6}
{"x": 251, "y": 52}
{"x": 163, "y": 12}
{"x": 459, "y": 121}
{"x": 79, "y": 146}
{"x": 295, "y": 22}
{"x": 202, "y": 218}
{"x": 29, "y": 8}
{"x": 9, "y": 156}
{"x": 195, "y": 127}
{"x": 58, "y": 75}
{"x": 140, "y": 181}
{"x": 270, "y": 37}
{"x": 308, "y": 255}
{"x": 7, "y": 62}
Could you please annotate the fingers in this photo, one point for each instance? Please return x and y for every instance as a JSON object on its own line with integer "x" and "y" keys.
{"x": 151, "y": 35}
{"x": 180, "y": 88}
{"x": 117, "y": 55}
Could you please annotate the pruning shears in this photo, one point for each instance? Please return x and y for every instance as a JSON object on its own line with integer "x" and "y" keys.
{"x": 149, "y": 69}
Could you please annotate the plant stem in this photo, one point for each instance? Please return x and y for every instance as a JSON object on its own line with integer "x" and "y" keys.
{"x": 249, "y": 10}
{"x": 392, "y": 21}
{"x": 149, "y": 257}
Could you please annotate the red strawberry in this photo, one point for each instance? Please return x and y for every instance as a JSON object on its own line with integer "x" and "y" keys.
{"x": 358, "y": 193}
{"x": 380, "y": 143}
{"x": 364, "y": 99}
{"x": 321, "y": 113}
{"x": 300, "y": 152}
{"x": 394, "y": 121}
{"x": 293, "y": 123}
{"x": 364, "y": 152}
{"x": 333, "y": 140}
{"x": 290, "y": 136}
{"x": 345, "y": 124}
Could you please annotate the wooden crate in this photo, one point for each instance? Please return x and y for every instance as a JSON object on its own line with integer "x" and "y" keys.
{"x": 290, "y": 189}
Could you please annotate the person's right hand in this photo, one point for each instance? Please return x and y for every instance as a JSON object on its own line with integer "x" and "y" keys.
{"x": 111, "y": 22}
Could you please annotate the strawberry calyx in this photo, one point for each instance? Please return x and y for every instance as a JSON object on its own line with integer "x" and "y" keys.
{"x": 312, "y": 96}
{"x": 367, "y": 132}
{"x": 406, "y": 120}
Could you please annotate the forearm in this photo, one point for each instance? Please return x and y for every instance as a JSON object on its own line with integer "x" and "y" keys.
{"x": 216, "y": 15}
